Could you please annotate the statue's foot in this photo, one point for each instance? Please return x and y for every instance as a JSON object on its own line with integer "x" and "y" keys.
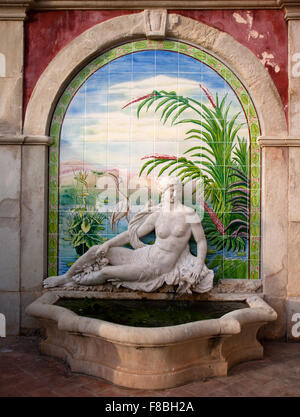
{"x": 55, "y": 281}
{"x": 93, "y": 278}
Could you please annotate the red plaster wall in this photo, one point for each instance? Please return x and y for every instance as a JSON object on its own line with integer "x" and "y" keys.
{"x": 262, "y": 31}
{"x": 46, "y": 33}
{"x": 272, "y": 37}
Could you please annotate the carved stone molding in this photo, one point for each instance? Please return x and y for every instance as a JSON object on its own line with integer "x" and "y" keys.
{"x": 292, "y": 13}
{"x": 14, "y": 9}
{"x": 147, "y": 4}
{"x": 142, "y": 4}
{"x": 25, "y": 140}
{"x": 12, "y": 13}
{"x": 155, "y": 23}
{"x": 291, "y": 8}
{"x": 287, "y": 141}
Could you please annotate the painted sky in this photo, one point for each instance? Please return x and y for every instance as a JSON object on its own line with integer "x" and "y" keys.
{"x": 98, "y": 131}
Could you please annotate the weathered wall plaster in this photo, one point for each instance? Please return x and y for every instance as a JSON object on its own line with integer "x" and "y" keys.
{"x": 46, "y": 33}
{"x": 262, "y": 31}
{"x": 109, "y": 33}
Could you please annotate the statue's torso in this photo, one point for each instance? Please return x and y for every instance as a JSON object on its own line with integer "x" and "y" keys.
{"x": 172, "y": 233}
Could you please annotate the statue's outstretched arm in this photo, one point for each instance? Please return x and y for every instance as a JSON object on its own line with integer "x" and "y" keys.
{"x": 199, "y": 236}
{"x": 119, "y": 240}
{"x": 123, "y": 238}
{"x": 148, "y": 226}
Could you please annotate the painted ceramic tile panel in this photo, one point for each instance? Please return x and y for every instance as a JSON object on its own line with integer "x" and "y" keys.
{"x": 144, "y": 110}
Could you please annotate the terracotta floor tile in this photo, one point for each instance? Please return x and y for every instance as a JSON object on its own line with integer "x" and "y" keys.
{"x": 199, "y": 388}
{"x": 176, "y": 392}
{"x": 114, "y": 391}
{"x": 12, "y": 393}
{"x": 141, "y": 393}
{"x": 25, "y": 372}
{"x": 42, "y": 392}
{"x": 77, "y": 391}
{"x": 96, "y": 387}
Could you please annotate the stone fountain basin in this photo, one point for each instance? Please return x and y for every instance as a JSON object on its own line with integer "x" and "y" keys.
{"x": 151, "y": 358}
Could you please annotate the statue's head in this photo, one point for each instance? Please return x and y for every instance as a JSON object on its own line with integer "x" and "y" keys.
{"x": 170, "y": 188}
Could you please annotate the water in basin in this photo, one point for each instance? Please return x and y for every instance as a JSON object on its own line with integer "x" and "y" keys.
{"x": 149, "y": 313}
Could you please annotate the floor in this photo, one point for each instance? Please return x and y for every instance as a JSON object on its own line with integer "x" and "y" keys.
{"x": 26, "y": 373}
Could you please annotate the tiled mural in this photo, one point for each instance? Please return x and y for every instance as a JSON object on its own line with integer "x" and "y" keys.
{"x": 147, "y": 109}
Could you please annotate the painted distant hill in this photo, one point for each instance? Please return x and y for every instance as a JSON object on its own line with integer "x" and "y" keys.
{"x": 133, "y": 185}
{"x": 67, "y": 169}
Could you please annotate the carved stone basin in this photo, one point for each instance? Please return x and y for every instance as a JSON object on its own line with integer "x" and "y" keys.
{"x": 151, "y": 358}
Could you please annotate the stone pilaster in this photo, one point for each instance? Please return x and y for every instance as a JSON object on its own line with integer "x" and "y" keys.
{"x": 281, "y": 199}
{"x": 275, "y": 230}
{"x": 11, "y": 82}
{"x": 293, "y": 284}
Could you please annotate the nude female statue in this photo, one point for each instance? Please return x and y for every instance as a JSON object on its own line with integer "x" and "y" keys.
{"x": 148, "y": 267}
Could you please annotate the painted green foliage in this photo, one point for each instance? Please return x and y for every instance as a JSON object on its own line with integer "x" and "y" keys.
{"x": 219, "y": 162}
{"x": 84, "y": 225}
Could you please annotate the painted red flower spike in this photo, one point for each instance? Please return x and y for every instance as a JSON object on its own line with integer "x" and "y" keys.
{"x": 208, "y": 94}
{"x": 139, "y": 99}
{"x": 158, "y": 156}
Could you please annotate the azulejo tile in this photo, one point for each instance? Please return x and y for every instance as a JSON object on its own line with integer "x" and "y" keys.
{"x": 127, "y": 128}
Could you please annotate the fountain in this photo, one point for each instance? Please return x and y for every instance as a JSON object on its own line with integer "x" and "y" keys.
{"x": 149, "y": 357}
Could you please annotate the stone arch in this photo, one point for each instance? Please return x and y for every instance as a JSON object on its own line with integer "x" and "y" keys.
{"x": 125, "y": 28}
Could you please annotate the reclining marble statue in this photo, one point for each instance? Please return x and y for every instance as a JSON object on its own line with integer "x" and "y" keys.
{"x": 148, "y": 267}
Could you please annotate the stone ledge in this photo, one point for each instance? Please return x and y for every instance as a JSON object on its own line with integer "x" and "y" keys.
{"x": 289, "y": 141}
{"x": 226, "y": 290}
{"x": 17, "y": 12}
{"x": 25, "y": 140}
{"x": 292, "y": 12}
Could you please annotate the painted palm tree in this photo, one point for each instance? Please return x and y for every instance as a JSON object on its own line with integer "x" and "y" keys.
{"x": 211, "y": 162}
{"x": 239, "y": 191}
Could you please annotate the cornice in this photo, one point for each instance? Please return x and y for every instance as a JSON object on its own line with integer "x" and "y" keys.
{"x": 289, "y": 141}
{"x": 25, "y": 140}
{"x": 145, "y": 4}
{"x": 292, "y": 12}
{"x": 16, "y": 9}
{"x": 142, "y": 4}
{"x": 13, "y": 9}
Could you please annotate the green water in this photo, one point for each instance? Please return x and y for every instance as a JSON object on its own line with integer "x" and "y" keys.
{"x": 149, "y": 313}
